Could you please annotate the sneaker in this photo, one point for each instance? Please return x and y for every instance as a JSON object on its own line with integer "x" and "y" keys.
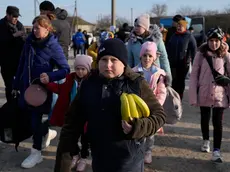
{"x": 81, "y": 165}
{"x": 50, "y": 136}
{"x": 148, "y": 157}
{"x": 33, "y": 159}
{"x": 206, "y": 146}
{"x": 160, "y": 131}
{"x": 216, "y": 157}
{"x": 75, "y": 161}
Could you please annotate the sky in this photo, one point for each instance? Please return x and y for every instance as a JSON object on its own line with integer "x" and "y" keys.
{"x": 91, "y": 10}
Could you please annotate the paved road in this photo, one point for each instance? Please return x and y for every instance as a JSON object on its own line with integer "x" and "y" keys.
{"x": 176, "y": 151}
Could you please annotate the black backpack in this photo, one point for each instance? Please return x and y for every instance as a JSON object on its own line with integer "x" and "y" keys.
{"x": 15, "y": 123}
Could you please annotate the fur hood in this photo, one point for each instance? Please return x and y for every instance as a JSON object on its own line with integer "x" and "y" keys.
{"x": 154, "y": 35}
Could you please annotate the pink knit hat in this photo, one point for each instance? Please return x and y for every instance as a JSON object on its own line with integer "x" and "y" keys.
{"x": 143, "y": 21}
{"x": 150, "y": 48}
{"x": 84, "y": 61}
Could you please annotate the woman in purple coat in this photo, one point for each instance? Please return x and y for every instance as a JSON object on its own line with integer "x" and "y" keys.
{"x": 40, "y": 55}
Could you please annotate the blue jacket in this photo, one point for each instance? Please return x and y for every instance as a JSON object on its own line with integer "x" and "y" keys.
{"x": 78, "y": 38}
{"x": 42, "y": 58}
{"x": 134, "y": 48}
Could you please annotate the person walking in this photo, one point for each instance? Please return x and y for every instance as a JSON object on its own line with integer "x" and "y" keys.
{"x": 109, "y": 136}
{"x": 142, "y": 34}
{"x": 40, "y": 55}
{"x": 156, "y": 79}
{"x": 12, "y": 39}
{"x": 206, "y": 92}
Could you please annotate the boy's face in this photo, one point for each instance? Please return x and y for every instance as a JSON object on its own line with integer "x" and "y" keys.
{"x": 81, "y": 71}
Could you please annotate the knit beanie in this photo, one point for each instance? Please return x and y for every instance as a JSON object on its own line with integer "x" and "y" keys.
{"x": 177, "y": 18}
{"x": 113, "y": 47}
{"x": 183, "y": 23}
{"x": 143, "y": 21}
{"x": 47, "y": 6}
{"x": 149, "y": 48}
{"x": 83, "y": 61}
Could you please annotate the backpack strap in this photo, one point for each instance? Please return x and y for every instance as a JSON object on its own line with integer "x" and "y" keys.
{"x": 210, "y": 63}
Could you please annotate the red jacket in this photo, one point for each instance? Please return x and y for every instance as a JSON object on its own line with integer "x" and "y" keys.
{"x": 64, "y": 94}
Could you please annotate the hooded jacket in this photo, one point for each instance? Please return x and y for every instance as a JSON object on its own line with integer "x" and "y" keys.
{"x": 62, "y": 29}
{"x": 134, "y": 48}
{"x": 98, "y": 102}
{"x": 203, "y": 91}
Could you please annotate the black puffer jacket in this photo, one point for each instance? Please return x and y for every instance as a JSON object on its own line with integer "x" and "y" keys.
{"x": 62, "y": 29}
{"x": 10, "y": 46}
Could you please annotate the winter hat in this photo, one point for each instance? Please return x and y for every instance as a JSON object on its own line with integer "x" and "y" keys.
{"x": 47, "y": 6}
{"x": 113, "y": 47}
{"x": 215, "y": 33}
{"x": 84, "y": 61}
{"x": 161, "y": 25}
{"x": 150, "y": 48}
{"x": 183, "y": 23}
{"x": 143, "y": 21}
{"x": 177, "y": 18}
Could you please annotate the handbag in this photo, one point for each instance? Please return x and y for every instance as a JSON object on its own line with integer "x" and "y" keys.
{"x": 35, "y": 95}
{"x": 221, "y": 80}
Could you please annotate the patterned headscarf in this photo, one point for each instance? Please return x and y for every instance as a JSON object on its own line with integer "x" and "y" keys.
{"x": 215, "y": 33}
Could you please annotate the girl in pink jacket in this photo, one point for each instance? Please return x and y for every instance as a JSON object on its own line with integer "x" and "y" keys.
{"x": 206, "y": 93}
{"x": 156, "y": 78}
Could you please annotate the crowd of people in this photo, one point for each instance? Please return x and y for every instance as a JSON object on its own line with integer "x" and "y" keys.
{"x": 143, "y": 61}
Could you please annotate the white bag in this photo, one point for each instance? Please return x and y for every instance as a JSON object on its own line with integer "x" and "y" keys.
{"x": 172, "y": 106}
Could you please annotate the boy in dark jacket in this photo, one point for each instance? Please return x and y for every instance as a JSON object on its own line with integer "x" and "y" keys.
{"x": 116, "y": 145}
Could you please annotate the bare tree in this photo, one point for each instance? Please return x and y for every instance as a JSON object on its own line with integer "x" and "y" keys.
{"x": 211, "y": 12}
{"x": 185, "y": 10}
{"x": 227, "y": 9}
{"x": 198, "y": 12}
{"x": 159, "y": 10}
{"x": 188, "y": 11}
{"x": 121, "y": 20}
{"x": 105, "y": 22}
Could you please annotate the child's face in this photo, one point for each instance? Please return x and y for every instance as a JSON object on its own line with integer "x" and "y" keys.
{"x": 147, "y": 60}
{"x": 81, "y": 71}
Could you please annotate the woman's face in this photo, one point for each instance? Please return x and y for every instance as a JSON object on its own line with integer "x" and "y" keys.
{"x": 214, "y": 44}
{"x": 39, "y": 31}
{"x": 147, "y": 60}
{"x": 139, "y": 30}
{"x": 81, "y": 71}
{"x": 110, "y": 67}
{"x": 180, "y": 28}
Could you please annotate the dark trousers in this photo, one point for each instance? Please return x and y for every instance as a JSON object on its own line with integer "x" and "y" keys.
{"x": 40, "y": 130}
{"x": 217, "y": 118}
{"x": 178, "y": 78}
{"x": 8, "y": 72}
{"x": 79, "y": 49}
{"x": 86, "y": 48}
{"x": 84, "y": 151}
